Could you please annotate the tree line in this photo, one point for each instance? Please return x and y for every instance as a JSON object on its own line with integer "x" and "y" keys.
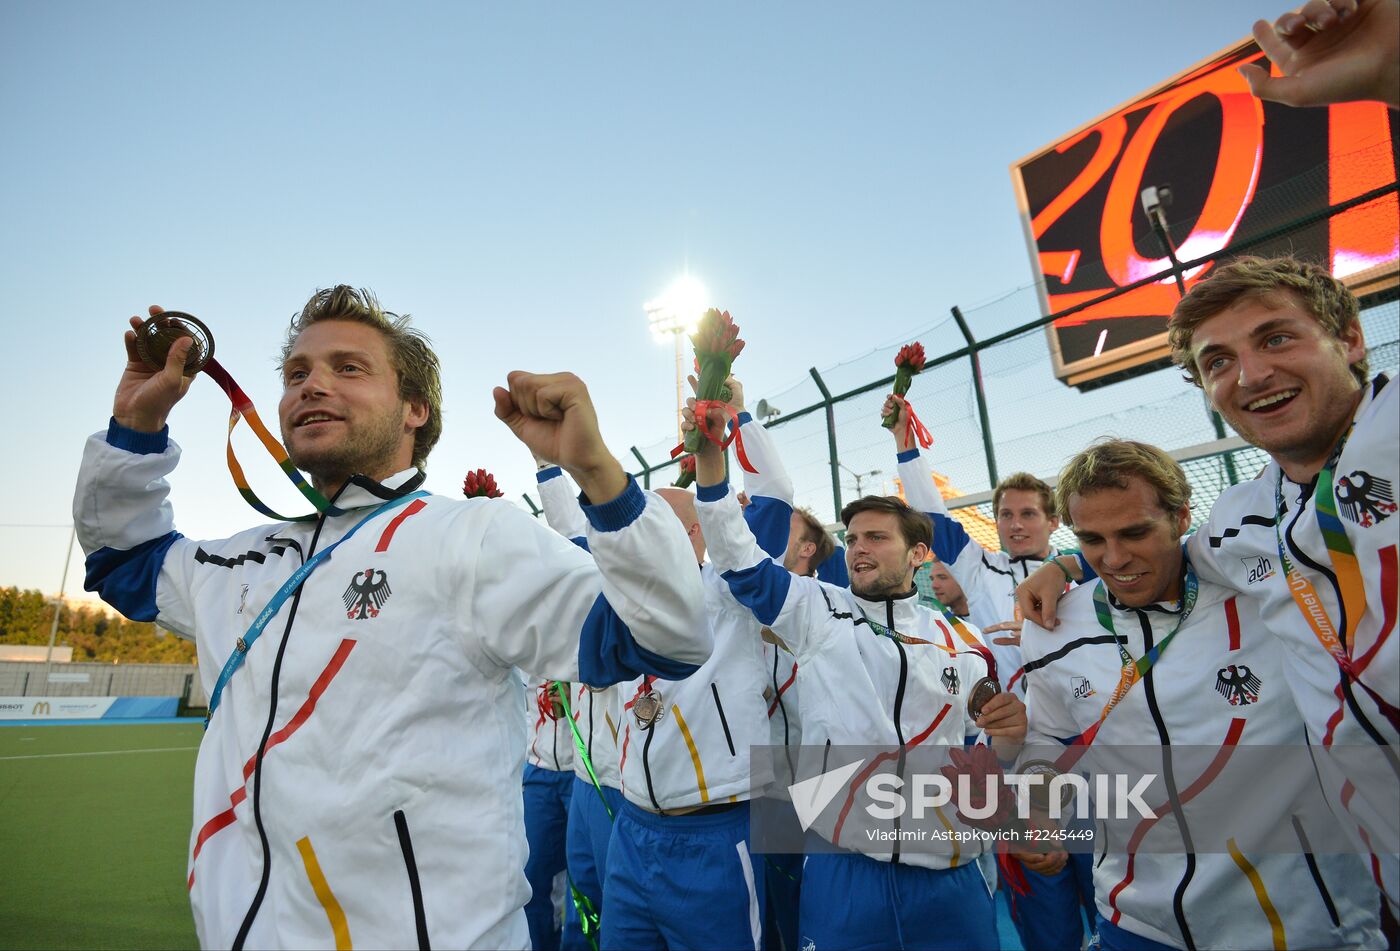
{"x": 93, "y": 633}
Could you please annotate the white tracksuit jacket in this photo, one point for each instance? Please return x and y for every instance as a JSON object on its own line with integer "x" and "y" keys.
{"x": 698, "y": 752}
{"x": 389, "y": 786}
{"x": 988, "y": 578}
{"x": 859, "y": 688}
{"x": 1238, "y": 547}
{"x": 1207, "y": 899}
{"x": 596, "y": 710}
{"x": 550, "y": 743}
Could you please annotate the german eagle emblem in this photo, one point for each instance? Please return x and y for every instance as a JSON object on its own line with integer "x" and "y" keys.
{"x": 950, "y": 680}
{"x": 364, "y": 598}
{"x": 1365, "y": 499}
{"x": 1238, "y": 685}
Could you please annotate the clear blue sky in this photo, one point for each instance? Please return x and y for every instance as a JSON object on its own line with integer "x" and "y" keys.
{"x": 520, "y": 177}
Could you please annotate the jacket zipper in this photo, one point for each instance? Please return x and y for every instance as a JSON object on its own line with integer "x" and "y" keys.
{"x": 420, "y": 917}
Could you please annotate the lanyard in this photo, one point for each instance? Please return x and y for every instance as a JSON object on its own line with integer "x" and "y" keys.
{"x": 1344, "y": 562}
{"x": 1349, "y": 580}
{"x": 243, "y": 409}
{"x": 1133, "y": 671}
{"x": 240, "y": 650}
{"x": 580, "y": 746}
{"x": 975, "y": 646}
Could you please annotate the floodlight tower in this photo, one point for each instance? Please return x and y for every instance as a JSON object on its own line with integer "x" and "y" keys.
{"x": 676, "y": 313}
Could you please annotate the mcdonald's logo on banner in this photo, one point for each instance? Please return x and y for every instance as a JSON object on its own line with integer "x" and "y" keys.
{"x": 41, "y": 709}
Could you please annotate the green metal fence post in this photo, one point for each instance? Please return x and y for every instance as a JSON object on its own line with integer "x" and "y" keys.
{"x": 830, "y": 439}
{"x": 646, "y": 468}
{"x": 973, "y": 357}
{"x": 534, "y": 509}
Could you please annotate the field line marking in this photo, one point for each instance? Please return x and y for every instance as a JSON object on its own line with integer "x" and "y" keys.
{"x": 158, "y": 749}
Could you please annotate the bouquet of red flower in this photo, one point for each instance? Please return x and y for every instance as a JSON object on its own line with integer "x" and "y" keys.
{"x": 481, "y": 484}
{"x": 907, "y": 362}
{"x": 687, "y": 475}
{"x": 717, "y": 346}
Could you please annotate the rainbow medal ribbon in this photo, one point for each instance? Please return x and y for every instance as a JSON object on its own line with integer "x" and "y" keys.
{"x": 153, "y": 342}
{"x": 1350, "y": 583}
{"x": 1135, "y": 670}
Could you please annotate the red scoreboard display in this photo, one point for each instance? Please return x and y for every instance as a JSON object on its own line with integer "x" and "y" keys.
{"x": 1238, "y": 169}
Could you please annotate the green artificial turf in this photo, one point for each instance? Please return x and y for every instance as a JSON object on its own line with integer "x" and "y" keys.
{"x": 94, "y": 846}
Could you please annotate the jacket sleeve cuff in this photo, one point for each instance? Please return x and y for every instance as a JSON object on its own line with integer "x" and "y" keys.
{"x": 544, "y": 475}
{"x": 119, "y": 437}
{"x": 617, "y": 514}
{"x": 742, "y": 419}
{"x": 712, "y": 493}
{"x": 908, "y": 455}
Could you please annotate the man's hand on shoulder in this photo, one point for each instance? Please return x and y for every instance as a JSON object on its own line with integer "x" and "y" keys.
{"x": 145, "y": 397}
{"x": 553, "y": 415}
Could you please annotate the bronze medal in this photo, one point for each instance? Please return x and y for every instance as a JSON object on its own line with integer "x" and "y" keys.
{"x": 981, "y": 692}
{"x": 156, "y": 335}
{"x": 647, "y": 708}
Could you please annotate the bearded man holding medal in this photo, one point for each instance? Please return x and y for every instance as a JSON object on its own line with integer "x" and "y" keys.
{"x": 359, "y": 780}
{"x": 876, "y": 668}
{"x": 1171, "y": 637}
{"x": 1278, "y": 348}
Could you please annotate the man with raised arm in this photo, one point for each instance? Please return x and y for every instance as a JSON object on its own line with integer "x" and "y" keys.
{"x": 1277, "y": 346}
{"x": 876, "y": 668}
{"x": 359, "y": 780}
{"x": 679, "y": 872}
{"x": 1152, "y": 654}
{"x": 1048, "y": 908}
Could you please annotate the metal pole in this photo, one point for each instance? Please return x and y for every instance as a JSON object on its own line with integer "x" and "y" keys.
{"x": 58, "y": 606}
{"x": 646, "y": 468}
{"x": 830, "y": 439}
{"x": 973, "y": 356}
{"x": 534, "y": 509}
{"x": 1159, "y": 228}
{"x": 680, "y": 379}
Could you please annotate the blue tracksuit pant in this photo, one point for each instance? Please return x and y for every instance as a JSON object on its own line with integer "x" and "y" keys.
{"x": 547, "y": 795}
{"x": 1051, "y": 916}
{"x": 587, "y": 848}
{"x": 682, "y": 882}
{"x": 853, "y": 902}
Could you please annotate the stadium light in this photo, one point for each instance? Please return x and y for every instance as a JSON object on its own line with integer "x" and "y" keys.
{"x": 676, "y": 314}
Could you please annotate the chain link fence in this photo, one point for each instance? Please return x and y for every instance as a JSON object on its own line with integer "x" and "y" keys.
{"x": 829, "y": 436}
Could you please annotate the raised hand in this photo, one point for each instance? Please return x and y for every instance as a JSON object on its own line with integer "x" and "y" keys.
{"x": 145, "y": 396}
{"x": 1342, "y": 51}
{"x": 553, "y": 415}
{"x": 895, "y": 405}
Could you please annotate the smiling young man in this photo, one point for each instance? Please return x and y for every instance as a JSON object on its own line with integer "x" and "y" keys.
{"x": 1313, "y": 539}
{"x": 359, "y": 776}
{"x": 1097, "y": 678}
{"x": 876, "y": 669}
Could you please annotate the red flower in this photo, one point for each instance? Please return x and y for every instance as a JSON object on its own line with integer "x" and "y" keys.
{"x": 907, "y": 362}
{"x": 979, "y": 764}
{"x": 481, "y": 484}
{"x": 717, "y": 346}
{"x": 910, "y": 355}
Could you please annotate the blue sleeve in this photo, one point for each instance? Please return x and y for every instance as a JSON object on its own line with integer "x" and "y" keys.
{"x": 607, "y": 653}
{"x": 1089, "y": 573}
{"x": 762, "y": 588}
{"x": 949, "y": 537}
{"x": 127, "y": 579}
{"x": 834, "y": 571}
{"x": 770, "y": 520}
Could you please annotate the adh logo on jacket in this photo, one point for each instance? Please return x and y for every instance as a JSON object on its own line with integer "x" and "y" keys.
{"x": 366, "y": 594}
{"x": 1238, "y": 685}
{"x": 1364, "y": 499}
